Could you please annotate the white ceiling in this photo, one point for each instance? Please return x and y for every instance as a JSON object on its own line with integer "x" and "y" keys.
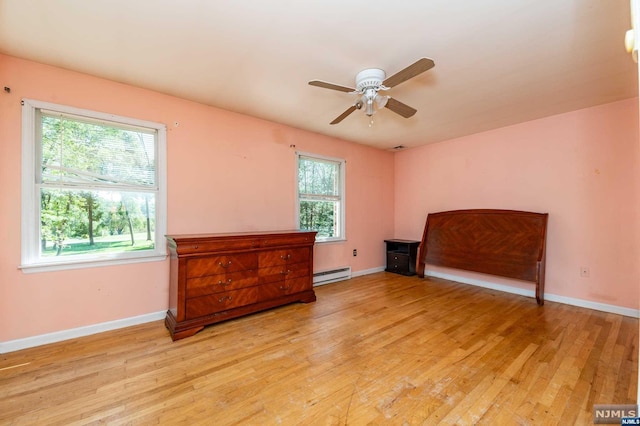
{"x": 498, "y": 62}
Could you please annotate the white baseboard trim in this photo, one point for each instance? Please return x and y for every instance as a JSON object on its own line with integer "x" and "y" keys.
{"x": 597, "y": 306}
{"x": 620, "y": 310}
{"x": 367, "y": 271}
{"x": 59, "y": 336}
{"x": 480, "y": 283}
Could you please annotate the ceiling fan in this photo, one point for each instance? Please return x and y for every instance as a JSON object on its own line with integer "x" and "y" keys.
{"x": 370, "y": 81}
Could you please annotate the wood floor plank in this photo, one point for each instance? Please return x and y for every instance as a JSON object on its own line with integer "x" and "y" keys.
{"x": 378, "y": 349}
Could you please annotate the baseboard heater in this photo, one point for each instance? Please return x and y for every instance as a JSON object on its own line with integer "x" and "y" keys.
{"x": 331, "y": 276}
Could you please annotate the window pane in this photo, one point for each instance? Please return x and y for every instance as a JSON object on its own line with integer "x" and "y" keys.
{"x": 320, "y": 196}
{"x": 319, "y": 216}
{"x": 80, "y": 222}
{"x": 318, "y": 177}
{"x": 92, "y": 153}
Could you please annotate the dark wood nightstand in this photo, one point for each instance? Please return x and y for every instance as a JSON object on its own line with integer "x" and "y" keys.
{"x": 401, "y": 256}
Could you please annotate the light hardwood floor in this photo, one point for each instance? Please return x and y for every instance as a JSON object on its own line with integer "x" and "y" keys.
{"x": 379, "y": 349}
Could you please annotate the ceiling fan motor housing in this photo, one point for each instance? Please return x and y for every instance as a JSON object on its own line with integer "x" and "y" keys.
{"x": 369, "y": 78}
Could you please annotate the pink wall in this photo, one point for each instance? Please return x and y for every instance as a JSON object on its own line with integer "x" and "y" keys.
{"x": 582, "y": 167}
{"x": 226, "y": 172}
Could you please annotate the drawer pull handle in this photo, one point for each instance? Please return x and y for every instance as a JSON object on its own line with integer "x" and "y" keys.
{"x": 224, "y": 282}
{"x": 223, "y": 265}
{"x": 285, "y": 287}
{"x": 222, "y": 299}
{"x": 287, "y": 272}
{"x": 285, "y": 257}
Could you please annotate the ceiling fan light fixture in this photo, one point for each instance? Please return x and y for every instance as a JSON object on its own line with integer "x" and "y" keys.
{"x": 381, "y": 101}
{"x": 368, "y": 98}
{"x": 370, "y": 111}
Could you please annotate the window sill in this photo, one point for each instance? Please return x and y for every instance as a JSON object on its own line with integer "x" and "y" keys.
{"x": 336, "y": 240}
{"x": 88, "y": 263}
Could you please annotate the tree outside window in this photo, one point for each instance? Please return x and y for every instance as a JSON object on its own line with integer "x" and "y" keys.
{"x": 321, "y": 196}
{"x": 97, "y": 185}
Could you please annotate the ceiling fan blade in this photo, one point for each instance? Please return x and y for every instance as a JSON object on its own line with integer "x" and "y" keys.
{"x": 418, "y": 67}
{"x": 325, "y": 85}
{"x": 344, "y": 115}
{"x": 399, "y": 108}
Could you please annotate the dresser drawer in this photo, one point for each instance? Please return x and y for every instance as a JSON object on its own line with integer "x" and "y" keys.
{"x": 207, "y": 246}
{"x": 288, "y": 239}
{"x": 284, "y": 272}
{"x": 206, "y": 305}
{"x": 282, "y": 288}
{"x": 220, "y": 283}
{"x": 282, "y": 257}
{"x": 222, "y": 264}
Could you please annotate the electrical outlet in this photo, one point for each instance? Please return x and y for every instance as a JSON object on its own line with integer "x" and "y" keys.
{"x": 584, "y": 271}
{"x": 355, "y": 252}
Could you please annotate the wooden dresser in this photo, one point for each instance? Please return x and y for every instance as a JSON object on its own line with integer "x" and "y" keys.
{"x": 215, "y": 277}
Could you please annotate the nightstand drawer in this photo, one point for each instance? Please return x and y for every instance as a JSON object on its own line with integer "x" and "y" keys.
{"x": 398, "y": 262}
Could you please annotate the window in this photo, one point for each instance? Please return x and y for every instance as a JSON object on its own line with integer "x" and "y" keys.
{"x": 93, "y": 188}
{"x": 321, "y": 196}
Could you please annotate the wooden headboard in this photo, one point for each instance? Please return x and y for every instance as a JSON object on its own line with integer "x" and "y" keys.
{"x": 506, "y": 243}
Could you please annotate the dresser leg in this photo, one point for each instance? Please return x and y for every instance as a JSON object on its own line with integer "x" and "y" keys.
{"x": 185, "y": 333}
{"x": 171, "y": 324}
{"x": 308, "y": 297}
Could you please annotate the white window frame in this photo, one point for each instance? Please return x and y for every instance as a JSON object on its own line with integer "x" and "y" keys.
{"x": 31, "y": 260}
{"x": 341, "y": 226}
